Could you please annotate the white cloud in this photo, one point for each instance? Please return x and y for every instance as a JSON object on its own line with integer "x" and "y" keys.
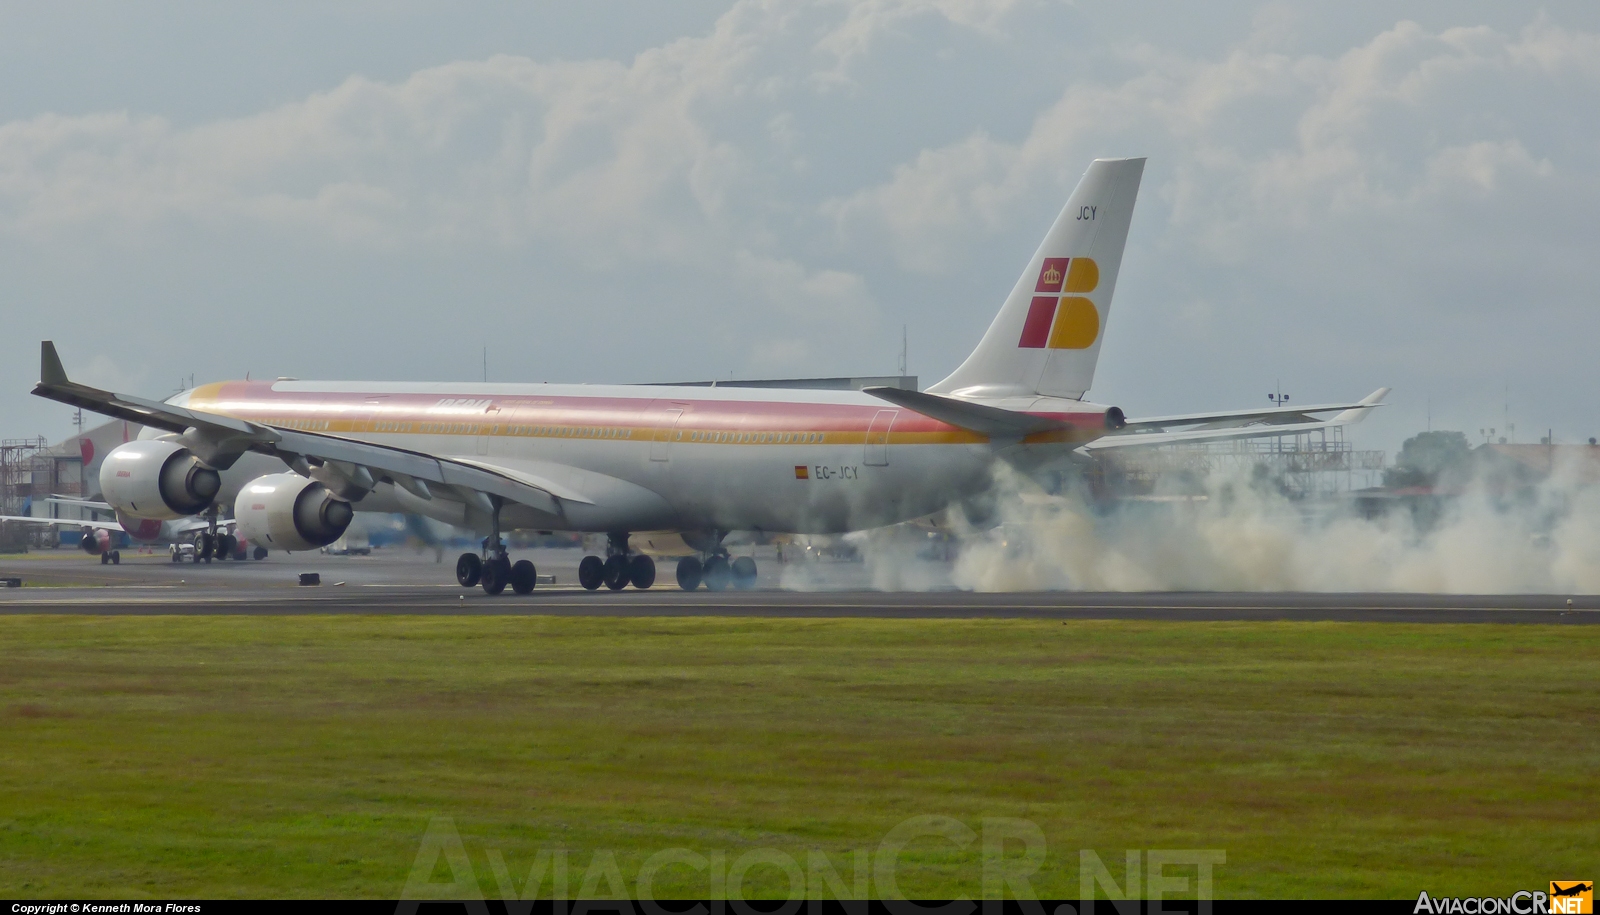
{"x": 780, "y": 192}
{"x": 1261, "y": 140}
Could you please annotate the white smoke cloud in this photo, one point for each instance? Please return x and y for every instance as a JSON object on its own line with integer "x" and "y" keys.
{"x": 1240, "y": 536}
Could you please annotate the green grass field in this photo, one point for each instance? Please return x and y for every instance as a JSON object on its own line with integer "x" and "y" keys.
{"x": 306, "y": 757}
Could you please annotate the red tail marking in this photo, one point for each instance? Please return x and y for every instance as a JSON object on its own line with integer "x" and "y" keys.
{"x": 1036, "y": 330}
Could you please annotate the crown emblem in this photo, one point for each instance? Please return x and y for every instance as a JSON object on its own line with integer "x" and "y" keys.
{"x": 1051, "y": 273}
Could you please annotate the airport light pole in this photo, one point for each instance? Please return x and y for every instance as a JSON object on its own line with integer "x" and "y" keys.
{"x": 1279, "y": 399}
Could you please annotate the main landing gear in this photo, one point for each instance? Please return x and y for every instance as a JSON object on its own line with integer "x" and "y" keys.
{"x": 717, "y": 572}
{"x": 495, "y": 570}
{"x": 213, "y": 545}
{"x": 618, "y": 570}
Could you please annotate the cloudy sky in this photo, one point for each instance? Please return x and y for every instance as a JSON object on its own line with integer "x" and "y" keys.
{"x": 1370, "y": 194}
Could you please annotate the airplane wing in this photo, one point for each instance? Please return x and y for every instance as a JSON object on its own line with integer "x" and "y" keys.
{"x": 1228, "y": 420}
{"x": 219, "y": 440}
{"x": 69, "y": 522}
{"x": 85, "y": 503}
{"x": 1214, "y": 427}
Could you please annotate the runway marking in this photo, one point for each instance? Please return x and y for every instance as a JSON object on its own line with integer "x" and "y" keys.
{"x": 770, "y": 604}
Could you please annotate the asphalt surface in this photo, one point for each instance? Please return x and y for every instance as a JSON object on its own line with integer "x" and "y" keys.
{"x": 401, "y": 582}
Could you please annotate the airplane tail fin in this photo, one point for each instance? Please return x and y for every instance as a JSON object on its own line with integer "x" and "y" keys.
{"x": 1046, "y": 338}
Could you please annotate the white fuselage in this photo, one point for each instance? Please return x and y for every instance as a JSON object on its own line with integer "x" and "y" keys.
{"x": 653, "y": 458}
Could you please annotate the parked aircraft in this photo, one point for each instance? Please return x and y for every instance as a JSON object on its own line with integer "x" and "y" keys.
{"x": 673, "y": 468}
{"x": 100, "y": 538}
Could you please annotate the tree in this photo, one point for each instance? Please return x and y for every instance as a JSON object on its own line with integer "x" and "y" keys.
{"x": 1429, "y": 457}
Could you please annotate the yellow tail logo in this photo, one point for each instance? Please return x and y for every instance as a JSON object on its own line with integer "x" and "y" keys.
{"x": 1063, "y": 321}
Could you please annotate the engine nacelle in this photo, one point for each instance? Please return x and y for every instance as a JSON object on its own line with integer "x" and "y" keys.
{"x": 286, "y": 511}
{"x": 157, "y": 479}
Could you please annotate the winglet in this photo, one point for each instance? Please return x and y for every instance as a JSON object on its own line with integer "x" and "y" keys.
{"x": 50, "y": 370}
{"x": 1357, "y": 414}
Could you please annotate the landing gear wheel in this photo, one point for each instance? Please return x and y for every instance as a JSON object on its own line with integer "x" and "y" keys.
{"x": 469, "y": 568}
{"x": 642, "y": 571}
{"x": 116, "y": 557}
{"x": 195, "y": 556}
{"x": 496, "y": 573}
{"x": 206, "y": 547}
{"x": 616, "y": 572}
{"x": 591, "y": 572}
{"x": 260, "y": 553}
{"x": 523, "y": 577}
{"x": 689, "y": 572}
{"x": 716, "y": 573}
{"x": 176, "y": 556}
{"x": 226, "y": 546}
{"x": 105, "y": 558}
{"x": 744, "y": 573}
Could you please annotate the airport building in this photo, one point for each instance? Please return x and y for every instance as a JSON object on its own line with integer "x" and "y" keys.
{"x": 33, "y": 473}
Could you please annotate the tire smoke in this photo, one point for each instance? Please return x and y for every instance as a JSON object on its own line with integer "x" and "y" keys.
{"x": 1240, "y": 534}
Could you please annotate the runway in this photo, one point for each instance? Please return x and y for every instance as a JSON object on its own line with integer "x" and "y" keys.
{"x": 404, "y": 583}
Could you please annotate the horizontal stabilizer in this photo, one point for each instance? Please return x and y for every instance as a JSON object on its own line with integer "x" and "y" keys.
{"x": 1220, "y": 427}
{"x": 1270, "y": 415}
{"x": 991, "y": 421}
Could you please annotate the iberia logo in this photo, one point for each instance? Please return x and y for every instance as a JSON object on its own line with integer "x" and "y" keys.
{"x": 1572, "y": 897}
{"x": 1062, "y": 321}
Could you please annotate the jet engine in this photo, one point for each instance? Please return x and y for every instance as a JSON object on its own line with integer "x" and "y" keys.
{"x": 157, "y": 479}
{"x": 286, "y": 511}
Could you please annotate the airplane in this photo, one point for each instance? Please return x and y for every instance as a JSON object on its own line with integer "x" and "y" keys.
{"x": 663, "y": 470}
{"x": 99, "y": 537}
